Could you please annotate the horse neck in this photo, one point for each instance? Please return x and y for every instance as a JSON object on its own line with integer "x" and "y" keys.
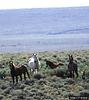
{"x": 12, "y": 67}
{"x": 35, "y": 58}
{"x": 71, "y": 62}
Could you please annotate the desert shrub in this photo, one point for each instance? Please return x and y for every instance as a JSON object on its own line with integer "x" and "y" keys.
{"x": 84, "y": 93}
{"x": 86, "y": 86}
{"x": 4, "y": 72}
{"x": 29, "y": 98}
{"x": 87, "y": 73}
{"x": 14, "y": 98}
{"x": 42, "y": 81}
{"x": 38, "y": 76}
{"x": 16, "y": 92}
{"x": 1, "y": 97}
{"x": 19, "y": 86}
{"x": 29, "y": 82}
{"x": 56, "y": 85}
{"x": 54, "y": 55}
{"x": 65, "y": 94}
{"x": 22, "y": 86}
{"x": 21, "y": 97}
{"x": 69, "y": 81}
{"x": 60, "y": 72}
{"x": 48, "y": 72}
{"x": 3, "y": 86}
{"x": 42, "y": 66}
{"x": 79, "y": 58}
{"x": 59, "y": 59}
{"x": 74, "y": 95}
{"x": 3, "y": 63}
{"x": 6, "y": 91}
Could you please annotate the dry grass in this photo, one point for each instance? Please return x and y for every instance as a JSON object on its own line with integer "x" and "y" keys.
{"x": 44, "y": 86}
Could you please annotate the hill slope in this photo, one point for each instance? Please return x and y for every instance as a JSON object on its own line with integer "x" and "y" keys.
{"x": 45, "y": 20}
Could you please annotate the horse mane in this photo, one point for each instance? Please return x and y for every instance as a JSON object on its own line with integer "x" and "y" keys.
{"x": 15, "y": 66}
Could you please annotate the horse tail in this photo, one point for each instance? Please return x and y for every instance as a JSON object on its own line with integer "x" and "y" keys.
{"x": 26, "y": 70}
{"x": 60, "y": 63}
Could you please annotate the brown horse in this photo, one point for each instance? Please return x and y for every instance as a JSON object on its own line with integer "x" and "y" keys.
{"x": 72, "y": 67}
{"x": 18, "y": 71}
{"x": 52, "y": 64}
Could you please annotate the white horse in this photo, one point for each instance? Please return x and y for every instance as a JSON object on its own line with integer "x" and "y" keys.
{"x": 33, "y": 64}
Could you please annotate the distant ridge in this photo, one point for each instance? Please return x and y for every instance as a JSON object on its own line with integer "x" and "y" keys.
{"x": 80, "y": 7}
{"x": 44, "y": 21}
{"x": 84, "y": 30}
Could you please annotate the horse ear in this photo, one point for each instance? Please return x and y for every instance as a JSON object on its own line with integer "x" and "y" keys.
{"x": 69, "y": 55}
{"x": 34, "y": 54}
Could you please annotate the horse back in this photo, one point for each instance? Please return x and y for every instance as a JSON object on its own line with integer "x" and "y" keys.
{"x": 75, "y": 65}
{"x": 20, "y": 70}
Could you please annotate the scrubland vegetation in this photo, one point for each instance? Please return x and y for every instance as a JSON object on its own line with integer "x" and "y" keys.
{"x": 45, "y": 85}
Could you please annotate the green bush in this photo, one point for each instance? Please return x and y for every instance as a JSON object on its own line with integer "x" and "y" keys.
{"x": 2, "y": 74}
{"x": 69, "y": 81}
{"x": 87, "y": 75}
{"x": 38, "y": 76}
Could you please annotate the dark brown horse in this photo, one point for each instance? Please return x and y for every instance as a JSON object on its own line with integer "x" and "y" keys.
{"x": 52, "y": 64}
{"x": 18, "y": 71}
{"x": 72, "y": 67}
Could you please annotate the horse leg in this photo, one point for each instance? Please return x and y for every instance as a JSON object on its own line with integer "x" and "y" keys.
{"x": 36, "y": 70}
{"x": 47, "y": 65}
{"x": 13, "y": 79}
{"x": 73, "y": 74}
{"x": 76, "y": 73}
{"x": 70, "y": 74}
{"x": 16, "y": 79}
{"x": 33, "y": 71}
{"x": 21, "y": 77}
{"x": 28, "y": 74}
{"x": 24, "y": 76}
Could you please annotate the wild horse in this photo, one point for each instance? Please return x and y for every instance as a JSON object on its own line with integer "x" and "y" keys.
{"x": 18, "y": 71}
{"x": 72, "y": 67}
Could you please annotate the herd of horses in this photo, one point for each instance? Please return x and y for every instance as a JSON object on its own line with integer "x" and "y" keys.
{"x": 34, "y": 65}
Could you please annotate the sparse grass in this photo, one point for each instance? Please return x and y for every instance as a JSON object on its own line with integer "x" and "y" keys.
{"x": 45, "y": 85}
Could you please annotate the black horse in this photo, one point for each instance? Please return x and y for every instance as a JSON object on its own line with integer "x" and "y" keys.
{"x": 72, "y": 67}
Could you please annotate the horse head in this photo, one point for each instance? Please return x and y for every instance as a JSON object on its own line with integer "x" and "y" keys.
{"x": 71, "y": 58}
{"x": 11, "y": 64}
{"x": 34, "y": 55}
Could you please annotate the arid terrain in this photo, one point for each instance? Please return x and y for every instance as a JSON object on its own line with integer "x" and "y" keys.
{"x": 44, "y": 85}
